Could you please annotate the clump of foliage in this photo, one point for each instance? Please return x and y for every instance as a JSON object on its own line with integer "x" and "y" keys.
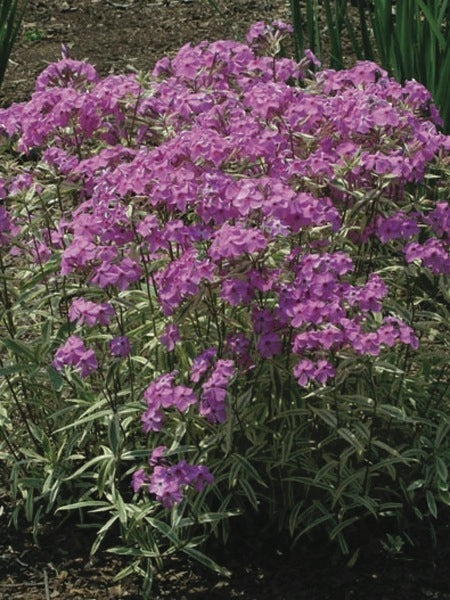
{"x": 11, "y": 14}
{"x": 223, "y": 291}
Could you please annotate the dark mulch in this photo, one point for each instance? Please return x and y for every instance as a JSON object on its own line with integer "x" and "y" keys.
{"x": 262, "y": 569}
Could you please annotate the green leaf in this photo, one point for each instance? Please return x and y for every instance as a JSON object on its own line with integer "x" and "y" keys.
{"x": 14, "y": 369}
{"x": 205, "y": 560}
{"x": 355, "y": 479}
{"x": 248, "y": 468}
{"x": 92, "y": 417}
{"x": 165, "y": 529}
{"x": 214, "y": 517}
{"x": 441, "y": 434}
{"x": 126, "y": 551}
{"x": 115, "y": 436}
{"x": 101, "y": 534}
{"x": 431, "y": 503}
{"x": 83, "y": 504}
{"x": 55, "y": 378}
{"x": 326, "y": 415}
{"x": 20, "y": 349}
{"x": 442, "y": 470}
{"x": 351, "y": 438}
{"x": 249, "y": 492}
{"x": 343, "y": 525}
{"x": 121, "y": 508}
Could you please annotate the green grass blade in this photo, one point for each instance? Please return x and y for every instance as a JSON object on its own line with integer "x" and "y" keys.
{"x": 313, "y": 26}
{"x": 383, "y": 30}
{"x": 297, "y": 23}
{"x": 433, "y": 23}
{"x": 367, "y": 52}
{"x": 11, "y": 16}
{"x": 334, "y": 35}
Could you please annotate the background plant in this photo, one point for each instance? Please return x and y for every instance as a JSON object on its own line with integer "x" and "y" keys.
{"x": 242, "y": 268}
{"x": 11, "y": 14}
{"x": 410, "y": 39}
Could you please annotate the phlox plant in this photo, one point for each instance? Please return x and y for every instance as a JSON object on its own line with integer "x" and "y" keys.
{"x": 223, "y": 291}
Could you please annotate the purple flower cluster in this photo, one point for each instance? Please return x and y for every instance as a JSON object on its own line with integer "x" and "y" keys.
{"x": 162, "y": 393}
{"x": 214, "y": 392}
{"x": 167, "y": 482}
{"x": 86, "y": 312}
{"x": 170, "y": 337}
{"x": 120, "y": 346}
{"x": 432, "y": 253}
{"x": 75, "y": 354}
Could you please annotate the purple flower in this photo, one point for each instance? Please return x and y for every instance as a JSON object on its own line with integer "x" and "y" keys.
{"x": 269, "y": 344}
{"x": 120, "y": 346}
{"x": 165, "y": 486}
{"x": 66, "y": 72}
{"x": 311, "y": 57}
{"x": 304, "y": 371}
{"x": 396, "y": 226}
{"x": 212, "y": 404}
{"x": 84, "y": 311}
{"x": 152, "y": 419}
{"x": 77, "y": 255}
{"x": 183, "y": 398}
{"x": 230, "y": 189}
{"x": 232, "y": 241}
{"x": 75, "y": 354}
{"x": 138, "y": 480}
{"x": 181, "y": 279}
{"x": 201, "y": 477}
{"x": 5, "y": 226}
{"x": 324, "y": 370}
{"x": 156, "y": 457}
{"x": 41, "y": 252}
{"x": 87, "y": 362}
{"x": 256, "y": 31}
{"x": 236, "y": 291}
{"x": 163, "y": 394}
{"x": 433, "y": 253}
{"x": 222, "y": 372}
{"x": 170, "y": 337}
{"x": 167, "y": 482}
{"x": 201, "y": 364}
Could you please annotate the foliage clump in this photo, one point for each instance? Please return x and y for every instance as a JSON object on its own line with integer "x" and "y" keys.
{"x": 223, "y": 291}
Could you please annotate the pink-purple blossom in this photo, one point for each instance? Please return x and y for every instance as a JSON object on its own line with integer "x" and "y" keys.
{"x": 120, "y": 346}
{"x": 75, "y": 354}
{"x": 90, "y": 313}
{"x": 167, "y": 482}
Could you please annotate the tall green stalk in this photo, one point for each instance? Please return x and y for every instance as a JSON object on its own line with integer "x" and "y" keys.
{"x": 410, "y": 38}
{"x": 11, "y": 14}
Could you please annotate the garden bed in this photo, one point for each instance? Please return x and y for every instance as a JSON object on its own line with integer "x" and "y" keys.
{"x": 62, "y": 566}
{"x": 119, "y": 36}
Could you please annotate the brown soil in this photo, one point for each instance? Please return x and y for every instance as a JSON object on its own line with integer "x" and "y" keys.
{"x": 122, "y": 35}
{"x": 60, "y": 567}
{"x": 118, "y": 36}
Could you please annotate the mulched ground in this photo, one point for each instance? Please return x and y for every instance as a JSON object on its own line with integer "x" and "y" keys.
{"x": 122, "y": 35}
{"x": 118, "y": 36}
{"x": 60, "y": 567}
